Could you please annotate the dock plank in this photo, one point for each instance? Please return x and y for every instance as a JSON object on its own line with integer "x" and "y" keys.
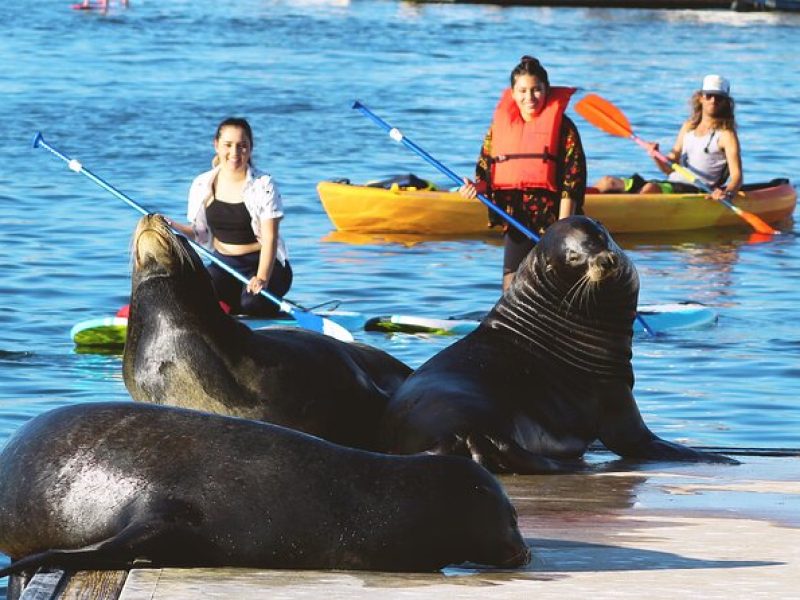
{"x": 43, "y": 585}
{"x": 93, "y": 585}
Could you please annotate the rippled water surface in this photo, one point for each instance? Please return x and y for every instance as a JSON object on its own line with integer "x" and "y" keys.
{"x": 136, "y": 94}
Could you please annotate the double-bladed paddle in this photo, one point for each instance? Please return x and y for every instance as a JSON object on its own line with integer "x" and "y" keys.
{"x": 398, "y": 136}
{"x": 304, "y": 318}
{"x": 604, "y": 115}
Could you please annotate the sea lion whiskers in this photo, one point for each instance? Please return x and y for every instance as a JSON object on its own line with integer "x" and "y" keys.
{"x": 602, "y": 265}
{"x": 581, "y": 290}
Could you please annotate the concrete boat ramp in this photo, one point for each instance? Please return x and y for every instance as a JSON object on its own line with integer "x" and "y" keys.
{"x": 662, "y": 531}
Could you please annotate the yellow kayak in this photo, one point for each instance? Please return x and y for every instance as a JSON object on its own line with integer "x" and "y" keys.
{"x": 366, "y": 209}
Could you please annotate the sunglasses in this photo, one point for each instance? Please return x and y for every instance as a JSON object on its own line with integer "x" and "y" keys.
{"x": 718, "y": 97}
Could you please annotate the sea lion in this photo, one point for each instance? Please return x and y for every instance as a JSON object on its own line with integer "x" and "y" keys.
{"x": 182, "y": 349}
{"x": 120, "y": 484}
{"x": 547, "y": 371}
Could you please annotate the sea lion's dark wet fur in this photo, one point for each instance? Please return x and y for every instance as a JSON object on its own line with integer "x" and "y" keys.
{"x": 546, "y": 373}
{"x": 183, "y": 350}
{"x": 121, "y": 484}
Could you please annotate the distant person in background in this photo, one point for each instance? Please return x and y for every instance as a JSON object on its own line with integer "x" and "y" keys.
{"x": 236, "y": 210}
{"x": 707, "y": 145}
{"x": 103, "y": 4}
{"x": 531, "y": 164}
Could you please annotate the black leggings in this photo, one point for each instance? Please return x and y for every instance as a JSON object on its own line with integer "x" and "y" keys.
{"x": 516, "y": 247}
{"x": 234, "y": 293}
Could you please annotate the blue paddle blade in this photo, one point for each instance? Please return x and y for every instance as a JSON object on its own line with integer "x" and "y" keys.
{"x": 308, "y": 320}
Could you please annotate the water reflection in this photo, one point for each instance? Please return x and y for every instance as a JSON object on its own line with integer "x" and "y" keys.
{"x": 493, "y": 237}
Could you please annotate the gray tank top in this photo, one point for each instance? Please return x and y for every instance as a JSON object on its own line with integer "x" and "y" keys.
{"x": 702, "y": 156}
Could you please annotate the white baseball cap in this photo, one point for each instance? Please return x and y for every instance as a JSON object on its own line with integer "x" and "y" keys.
{"x": 716, "y": 84}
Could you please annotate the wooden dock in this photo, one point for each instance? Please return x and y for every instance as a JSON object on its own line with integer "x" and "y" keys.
{"x": 666, "y": 531}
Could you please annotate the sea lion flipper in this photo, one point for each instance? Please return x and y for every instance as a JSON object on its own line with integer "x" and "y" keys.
{"x": 156, "y": 536}
{"x": 660, "y": 449}
{"x": 506, "y": 456}
{"x": 64, "y": 558}
{"x": 648, "y": 446}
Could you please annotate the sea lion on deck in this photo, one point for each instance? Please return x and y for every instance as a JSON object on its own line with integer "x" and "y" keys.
{"x": 183, "y": 350}
{"x": 120, "y": 484}
{"x": 547, "y": 372}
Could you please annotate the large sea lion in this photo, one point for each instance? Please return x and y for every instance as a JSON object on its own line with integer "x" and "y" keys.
{"x": 183, "y": 350}
{"x": 547, "y": 372}
{"x": 117, "y": 484}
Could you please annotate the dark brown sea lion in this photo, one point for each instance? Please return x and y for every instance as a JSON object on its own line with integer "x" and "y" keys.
{"x": 117, "y": 484}
{"x": 183, "y": 350}
{"x": 547, "y": 372}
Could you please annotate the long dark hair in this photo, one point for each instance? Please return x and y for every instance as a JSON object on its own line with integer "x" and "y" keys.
{"x": 725, "y": 119}
{"x": 530, "y": 66}
{"x": 239, "y": 123}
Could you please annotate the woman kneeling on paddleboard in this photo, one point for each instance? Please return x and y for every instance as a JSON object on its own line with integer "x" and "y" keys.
{"x": 236, "y": 210}
{"x": 532, "y": 163}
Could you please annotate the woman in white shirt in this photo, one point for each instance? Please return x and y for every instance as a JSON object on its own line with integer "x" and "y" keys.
{"x": 235, "y": 210}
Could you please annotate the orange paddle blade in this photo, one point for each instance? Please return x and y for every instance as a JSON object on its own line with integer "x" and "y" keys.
{"x": 754, "y": 221}
{"x": 601, "y": 113}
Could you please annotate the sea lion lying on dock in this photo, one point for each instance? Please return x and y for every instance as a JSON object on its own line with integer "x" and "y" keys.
{"x": 183, "y": 350}
{"x": 547, "y": 372}
{"x": 122, "y": 484}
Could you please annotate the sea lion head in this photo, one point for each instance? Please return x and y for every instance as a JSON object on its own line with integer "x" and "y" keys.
{"x": 574, "y": 298}
{"x": 580, "y": 271}
{"x": 485, "y": 520}
{"x": 578, "y": 250}
{"x": 166, "y": 267}
{"x": 157, "y": 248}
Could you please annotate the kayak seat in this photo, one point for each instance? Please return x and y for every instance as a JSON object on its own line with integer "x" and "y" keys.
{"x": 404, "y": 181}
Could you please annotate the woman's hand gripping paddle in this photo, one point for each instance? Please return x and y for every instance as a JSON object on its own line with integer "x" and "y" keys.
{"x": 304, "y": 318}
{"x": 398, "y": 136}
{"x": 604, "y": 115}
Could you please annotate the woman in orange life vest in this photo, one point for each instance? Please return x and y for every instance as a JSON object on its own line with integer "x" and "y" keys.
{"x": 532, "y": 163}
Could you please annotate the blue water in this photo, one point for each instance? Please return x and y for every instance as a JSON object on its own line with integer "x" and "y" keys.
{"x": 136, "y": 94}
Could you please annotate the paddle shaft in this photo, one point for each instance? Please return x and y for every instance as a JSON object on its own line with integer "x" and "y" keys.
{"x": 304, "y": 318}
{"x": 687, "y": 174}
{"x": 397, "y": 136}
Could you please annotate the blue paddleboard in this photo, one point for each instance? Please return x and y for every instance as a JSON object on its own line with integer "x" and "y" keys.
{"x": 659, "y": 317}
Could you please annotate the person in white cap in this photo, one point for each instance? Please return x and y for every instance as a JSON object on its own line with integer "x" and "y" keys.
{"x": 707, "y": 145}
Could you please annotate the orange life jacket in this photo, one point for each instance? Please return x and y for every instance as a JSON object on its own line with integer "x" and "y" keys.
{"x": 525, "y": 155}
